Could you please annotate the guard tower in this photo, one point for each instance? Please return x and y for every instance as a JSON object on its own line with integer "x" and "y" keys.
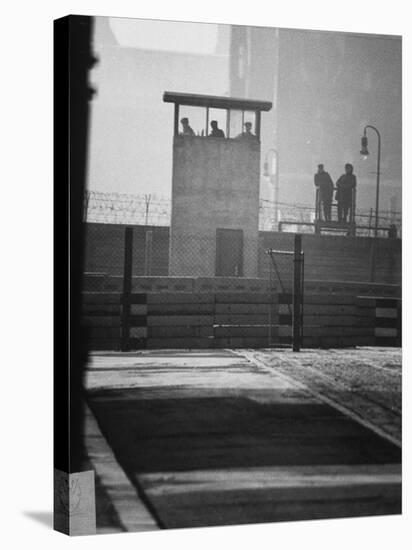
{"x": 215, "y": 185}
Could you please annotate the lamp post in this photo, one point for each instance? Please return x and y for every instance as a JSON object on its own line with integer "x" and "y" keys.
{"x": 364, "y": 152}
{"x": 273, "y": 176}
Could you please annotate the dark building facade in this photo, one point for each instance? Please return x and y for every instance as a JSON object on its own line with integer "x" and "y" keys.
{"x": 325, "y": 87}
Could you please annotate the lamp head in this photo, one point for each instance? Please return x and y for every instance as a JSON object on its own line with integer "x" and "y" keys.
{"x": 364, "y": 147}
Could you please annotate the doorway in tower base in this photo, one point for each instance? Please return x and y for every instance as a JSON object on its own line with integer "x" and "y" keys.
{"x": 229, "y": 253}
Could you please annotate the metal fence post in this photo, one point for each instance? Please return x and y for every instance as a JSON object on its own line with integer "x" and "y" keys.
{"x": 148, "y": 253}
{"x": 127, "y": 287}
{"x": 297, "y": 294}
{"x": 373, "y": 260}
{"x": 270, "y": 306}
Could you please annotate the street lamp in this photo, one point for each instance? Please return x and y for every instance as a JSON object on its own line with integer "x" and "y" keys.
{"x": 273, "y": 176}
{"x": 364, "y": 152}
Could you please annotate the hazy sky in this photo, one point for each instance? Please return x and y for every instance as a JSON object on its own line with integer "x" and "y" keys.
{"x": 167, "y": 36}
{"x": 131, "y": 127}
{"x": 329, "y": 86}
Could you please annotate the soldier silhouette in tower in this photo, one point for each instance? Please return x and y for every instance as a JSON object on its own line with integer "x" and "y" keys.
{"x": 216, "y": 131}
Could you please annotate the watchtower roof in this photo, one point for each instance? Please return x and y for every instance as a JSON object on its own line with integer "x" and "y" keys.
{"x": 216, "y": 102}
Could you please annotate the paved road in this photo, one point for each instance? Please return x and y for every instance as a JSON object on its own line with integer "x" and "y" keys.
{"x": 214, "y": 438}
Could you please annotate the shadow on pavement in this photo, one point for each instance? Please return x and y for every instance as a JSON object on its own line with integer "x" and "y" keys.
{"x": 156, "y": 439}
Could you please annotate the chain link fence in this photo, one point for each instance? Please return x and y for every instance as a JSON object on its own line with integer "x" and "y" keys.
{"x": 157, "y": 253}
{"x": 105, "y": 250}
{"x": 229, "y": 254}
{"x": 230, "y": 261}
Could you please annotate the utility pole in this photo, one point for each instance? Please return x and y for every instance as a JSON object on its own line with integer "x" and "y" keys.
{"x": 364, "y": 152}
{"x": 147, "y": 199}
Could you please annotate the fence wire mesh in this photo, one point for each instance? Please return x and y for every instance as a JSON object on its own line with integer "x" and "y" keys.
{"x": 157, "y": 253}
{"x": 230, "y": 255}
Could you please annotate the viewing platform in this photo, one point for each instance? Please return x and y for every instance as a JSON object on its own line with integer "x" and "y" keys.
{"x": 335, "y": 226}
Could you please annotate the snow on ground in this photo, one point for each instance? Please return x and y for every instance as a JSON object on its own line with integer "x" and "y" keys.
{"x": 367, "y": 381}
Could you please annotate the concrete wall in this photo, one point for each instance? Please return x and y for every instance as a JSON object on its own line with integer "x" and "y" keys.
{"x": 327, "y": 258}
{"x": 337, "y": 258}
{"x": 215, "y": 185}
{"x": 240, "y": 319}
